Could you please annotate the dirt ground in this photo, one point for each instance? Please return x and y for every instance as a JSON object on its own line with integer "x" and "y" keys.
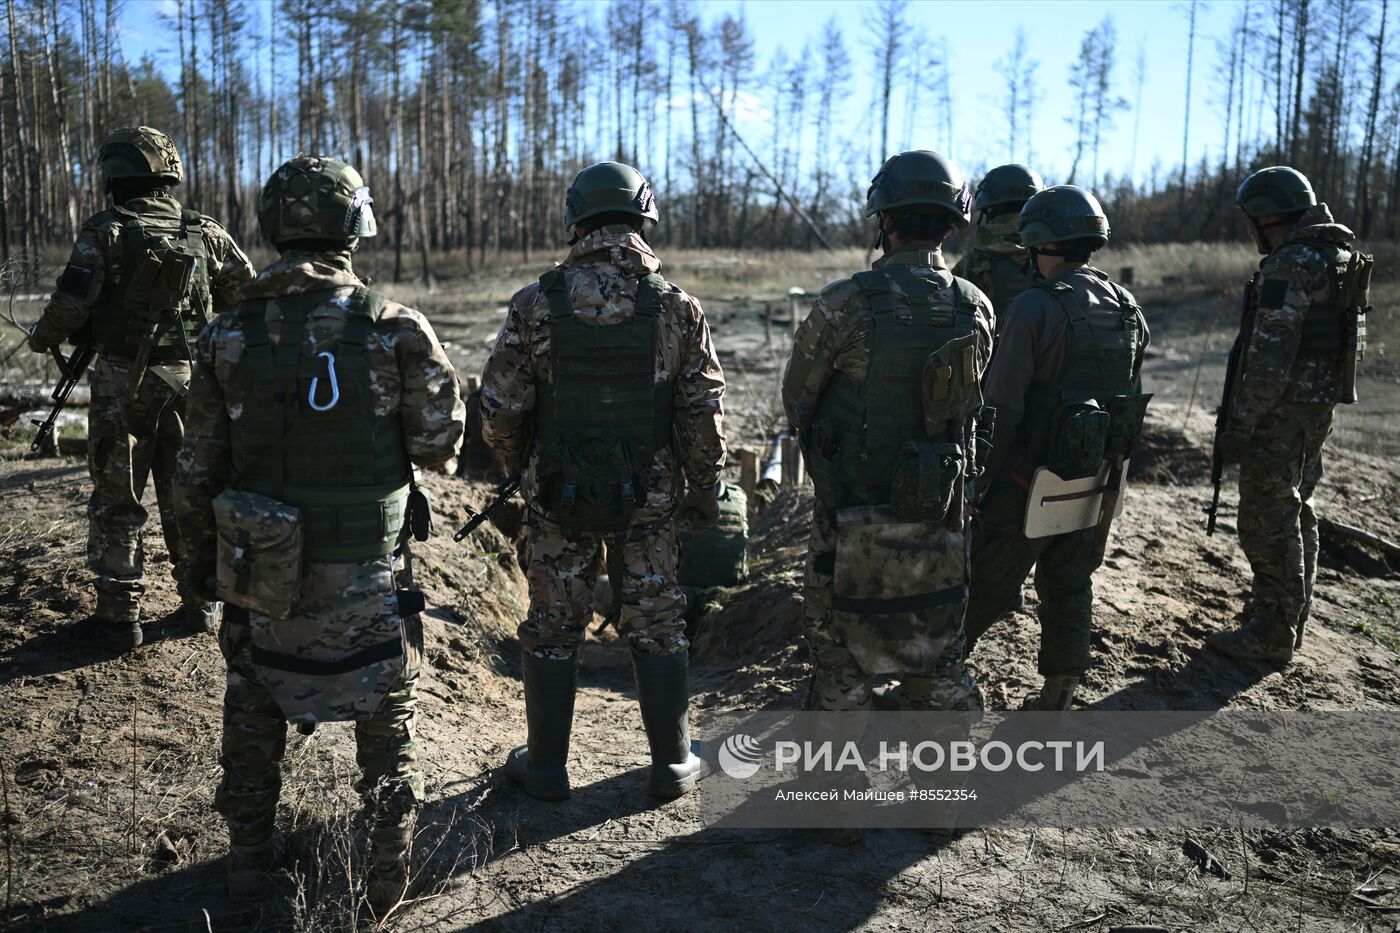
{"x": 109, "y": 765}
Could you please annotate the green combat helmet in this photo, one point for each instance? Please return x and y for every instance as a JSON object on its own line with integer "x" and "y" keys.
{"x": 919, "y": 178}
{"x": 140, "y": 152}
{"x": 1006, "y": 184}
{"x": 1275, "y": 190}
{"x": 315, "y": 198}
{"x": 609, "y": 188}
{"x": 1061, "y": 214}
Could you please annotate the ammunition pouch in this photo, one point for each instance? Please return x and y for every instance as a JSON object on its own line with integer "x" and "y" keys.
{"x": 1078, "y": 439}
{"x": 925, "y": 480}
{"x": 260, "y": 553}
{"x": 591, "y": 482}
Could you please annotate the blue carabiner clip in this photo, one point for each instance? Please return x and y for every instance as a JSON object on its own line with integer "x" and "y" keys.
{"x": 335, "y": 386}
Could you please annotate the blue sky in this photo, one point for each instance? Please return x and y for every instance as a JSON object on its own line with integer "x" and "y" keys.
{"x": 978, "y": 33}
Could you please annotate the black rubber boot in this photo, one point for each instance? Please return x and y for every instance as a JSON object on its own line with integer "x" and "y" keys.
{"x": 251, "y": 866}
{"x": 540, "y": 765}
{"x": 664, "y": 695}
{"x": 106, "y": 637}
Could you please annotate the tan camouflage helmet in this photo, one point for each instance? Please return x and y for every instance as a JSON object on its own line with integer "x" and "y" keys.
{"x": 315, "y": 198}
{"x": 140, "y": 152}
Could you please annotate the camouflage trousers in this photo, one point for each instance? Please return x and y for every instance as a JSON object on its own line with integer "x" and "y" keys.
{"x": 129, "y": 439}
{"x": 1277, "y": 527}
{"x": 255, "y": 738}
{"x": 1002, "y": 558}
{"x": 925, "y": 650}
{"x": 562, "y": 569}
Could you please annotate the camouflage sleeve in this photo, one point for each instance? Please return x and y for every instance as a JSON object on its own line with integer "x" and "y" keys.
{"x": 434, "y": 415}
{"x": 508, "y": 384}
{"x": 229, "y": 268}
{"x": 1288, "y": 279}
{"x": 78, "y": 286}
{"x": 699, "y": 411}
{"x": 202, "y": 466}
{"x": 813, "y": 356}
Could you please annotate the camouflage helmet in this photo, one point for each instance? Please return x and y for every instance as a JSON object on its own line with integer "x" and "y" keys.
{"x": 1275, "y": 190}
{"x": 1061, "y": 214}
{"x": 919, "y": 178}
{"x": 606, "y": 188}
{"x": 1006, "y": 184}
{"x": 315, "y": 198}
{"x": 140, "y": 152}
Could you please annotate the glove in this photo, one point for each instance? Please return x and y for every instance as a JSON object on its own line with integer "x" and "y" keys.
{"x": 1233, "y": 444}
{"x": 200, "y": 574}
{"x": 700, "y": 507}
{"x": 34, "y": 342}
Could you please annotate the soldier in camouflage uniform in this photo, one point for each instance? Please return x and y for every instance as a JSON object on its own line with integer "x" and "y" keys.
{"x": 604, "y": 389}
{"x": 882, "y": 388}
{"x": 136, "y": 417}
{"x": 998, "y": 263}
{"x": 1300, "y": 343}
{"x": 315, "y": 397}
{"x": 1070, "y": 346}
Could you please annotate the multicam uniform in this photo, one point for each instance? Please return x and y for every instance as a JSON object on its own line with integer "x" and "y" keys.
{"x": 1292, "y": 378}
{"x": 998, "y": 264}
{"x": 853, "y": 627}
{"x": 134, "y": 433}
{"x": 601, "y": 275}
{"x": 1037, "y": 364}
{"x": 352, "y": 647}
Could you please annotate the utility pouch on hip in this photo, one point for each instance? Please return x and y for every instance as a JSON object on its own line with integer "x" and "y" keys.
{"x": 1126, "y": 414}
{"x": 591, "y": 482}
{"x": 1078, "y": 439}
{"x": 420, "y": 513}
{"x": 260, "y": 553}
{"x": 924, "y": 480}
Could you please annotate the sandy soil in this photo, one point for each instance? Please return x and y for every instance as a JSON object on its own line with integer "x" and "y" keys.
{"x": 110, "y": 764}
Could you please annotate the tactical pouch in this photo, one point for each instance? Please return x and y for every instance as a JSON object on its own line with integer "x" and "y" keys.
{"x": 951, "y": 383}
{"x": 718, "y": 556}
{"x": 819, "y": 450}
{"x": 1079, "y": 436}
{"x": 260, "y": 550}
{"x": 899, "y": 590}
{"x": 925, "y": 479}
{"x": 1126, "y": 414}
{"x": 420, "y": 513}
{"x": 591, "y": 483}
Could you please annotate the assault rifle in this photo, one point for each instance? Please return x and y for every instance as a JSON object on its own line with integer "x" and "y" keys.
{"x": 507, "y": 488}
{"x": 70, "y": 371}
{"x": 1233, "y": 366}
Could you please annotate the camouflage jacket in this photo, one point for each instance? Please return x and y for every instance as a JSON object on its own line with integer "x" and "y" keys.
{"x": 96, "y": 264}
{"x": 409, "y": 374}
{"x": 602, "y": 271}
{"x": 836, "y": 334}
{"x": 1031, "y": 351}
{"x": 998, "y": 237}
{"x": 1273, "y": 371}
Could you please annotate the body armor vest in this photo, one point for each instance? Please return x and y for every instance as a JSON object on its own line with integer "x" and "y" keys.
{"x": 1008, "y": 277}
{"x": 309, "y": 435}
{"x": 1326, "y": 331}
{"x": 861, "y": 428}
{"x": 1093, "y": 411}
{"x": 134, "y": 316}
{"x": 605, "y": 415}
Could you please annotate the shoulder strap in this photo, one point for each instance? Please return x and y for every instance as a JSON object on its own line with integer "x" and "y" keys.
{"x": 650, "y": 288}
{"x": 1070, "y": 302}
{"x": 874, "y": 284}
{"x": 556, "y": 291}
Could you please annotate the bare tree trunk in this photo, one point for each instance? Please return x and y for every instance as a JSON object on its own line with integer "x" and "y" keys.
{"x": 60, "y": 110}
{"x": 1186, "y": 123}
{"x": 26, "y": 206}
{"x": 1300, "y": 63}
{"x": 1368, "y": 148}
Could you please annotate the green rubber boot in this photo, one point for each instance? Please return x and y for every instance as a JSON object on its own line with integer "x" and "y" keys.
{"x": 664, "y": 695}
{"x": 388, "y": 857}
{"x": 250, "y": 867}
{"x": 1056, "y": 694}
{"x": 540, "y": 765}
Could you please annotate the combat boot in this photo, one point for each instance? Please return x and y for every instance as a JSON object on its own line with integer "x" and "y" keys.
{"x": 106, "y": 636}
{"x": 1056, "y": 695}
{"x": 664, "y": 696}
{"x": 1255, "y": 642}
{"x": 201, "y": 618}
{"x": 250, "y": 867}
{"x": 388, "y": 858}
{"x": 540, "y": 766}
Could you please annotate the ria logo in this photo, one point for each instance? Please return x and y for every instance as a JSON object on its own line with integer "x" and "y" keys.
{"x": 740, "y": 756}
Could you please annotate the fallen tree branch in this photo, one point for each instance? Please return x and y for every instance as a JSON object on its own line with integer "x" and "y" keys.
{"x": 1328, "y": 528}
